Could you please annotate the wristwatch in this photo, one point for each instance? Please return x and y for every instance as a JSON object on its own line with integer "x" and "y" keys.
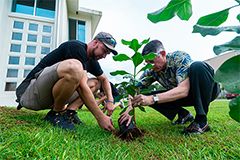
{"x": 155, "y": 99}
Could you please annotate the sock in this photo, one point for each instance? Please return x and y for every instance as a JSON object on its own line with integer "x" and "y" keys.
{"x": 201, "y": 120}
{"x": 182, "y": 112}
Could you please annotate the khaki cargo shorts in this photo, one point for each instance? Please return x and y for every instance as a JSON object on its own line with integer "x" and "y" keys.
{"x": 38, "y": 95}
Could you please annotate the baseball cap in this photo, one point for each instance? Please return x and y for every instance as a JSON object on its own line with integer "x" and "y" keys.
{"x": 108, "y": 40}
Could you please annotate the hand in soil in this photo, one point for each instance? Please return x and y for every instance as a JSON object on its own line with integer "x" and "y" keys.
{"x": 125, "y": 117}
{"x": 105, "y": 122}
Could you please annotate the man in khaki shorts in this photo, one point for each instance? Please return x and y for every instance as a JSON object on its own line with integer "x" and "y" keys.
{"x": 59, "y": 82}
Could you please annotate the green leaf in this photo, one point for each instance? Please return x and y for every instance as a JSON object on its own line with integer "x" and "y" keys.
{"x": 161, "y": 15}
{"x": 121, "y": 57}
{"x": 182, "y": 8}
{"x": 229, "y": 46}
{"x": 125, "y": 42}
{"x": 228, "y": 74}
{"x": 145, "y": 41}
{"x": 137, "y": 59}
{"x": 148, "y": 66}
{"x": 149, "y": 57}
{"x": 135, "y": 45}
{"x": 131, "y": 90}
{"x": 238, "y": 1}
{"x": 142, "y": 108}
{"x": 185, "y": 10}
{"x": 238, "y": 17}
{"x": 214, "y": 19}
{"x": 131, "y": 112}
{"x": 207, "y": 30}
{"x": 119, "y": 72}
{"x": 234, "y": 106}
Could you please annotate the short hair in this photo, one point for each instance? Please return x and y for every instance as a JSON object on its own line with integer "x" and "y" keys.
{"x": 153, "y": 46}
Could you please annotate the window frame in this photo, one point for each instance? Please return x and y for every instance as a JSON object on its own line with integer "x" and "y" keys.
{"x": 14, "y": 4}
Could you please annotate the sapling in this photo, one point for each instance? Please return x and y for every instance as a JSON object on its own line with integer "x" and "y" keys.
{"x": 130, "y": 132}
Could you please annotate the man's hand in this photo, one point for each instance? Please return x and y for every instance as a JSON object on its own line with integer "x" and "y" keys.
{"x": 125, "y": 117}
{"x": 109, "y": 107}
{"x": 106, "y": 123}
{"x": 142, "y": 100}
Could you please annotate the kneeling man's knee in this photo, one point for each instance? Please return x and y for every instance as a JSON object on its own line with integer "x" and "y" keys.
{"x": 71, "y": 69}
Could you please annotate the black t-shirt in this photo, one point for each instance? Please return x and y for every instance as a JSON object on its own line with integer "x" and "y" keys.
{"x": 69, "y": 50}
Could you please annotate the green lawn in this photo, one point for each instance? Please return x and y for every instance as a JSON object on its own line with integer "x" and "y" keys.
{"x": 24, "y": 135}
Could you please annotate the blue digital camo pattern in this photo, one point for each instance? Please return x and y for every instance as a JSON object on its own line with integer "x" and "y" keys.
{"x": 178, "y": 63}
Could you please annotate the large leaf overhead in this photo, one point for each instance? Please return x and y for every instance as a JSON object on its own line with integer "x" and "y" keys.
{"x": 238, "y": 1}
{"x": 214, "y": 19}
{"x": 234, "y": 106}
{"x": 238, "y": 17}
{"x": 183, "y": 8}
{"x": 229, "y": 46}
{"x": 208, "y": 30}
{"x": 229, "y": 75}
{"x": 185, "y": 11}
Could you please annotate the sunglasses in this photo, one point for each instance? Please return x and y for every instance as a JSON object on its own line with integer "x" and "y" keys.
{"x": 109, "y": 40}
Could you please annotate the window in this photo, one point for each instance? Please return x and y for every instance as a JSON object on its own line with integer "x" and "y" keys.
{"x": 26, "y": 72}
{"x": 12, "y": 73}
{"x": 81, "y": 31}
{"x": 46, "y": 39}
{"x": 23, "y": 6}
{"x": 15, "y": 48}
{"x": 45, "y": 50}
{"x": 13, "y": 60}
{"x": 47, "y": 29}
{"x": 29, "y": 61}
{"x": 33, "y": 27}
{"x": 76, "y": 30}
{"x": 18, "y": 25}
{"x": 43, "y": 8}
{"x": 31, "y": 49}
{"x": 10, "y": 86}
{"x": 32, "y": 38}
{"x": 16, "y": 36}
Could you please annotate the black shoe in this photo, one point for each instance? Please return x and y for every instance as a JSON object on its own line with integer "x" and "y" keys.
{"x": 72, "y": 115}
{"x": 59, "y": 119}
{"x": 195, "y": 128}
{"x": 49, "y": 116}
{"x": 182, "y": 120}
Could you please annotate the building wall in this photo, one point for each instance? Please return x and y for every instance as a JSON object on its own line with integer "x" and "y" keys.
{"x": 217, "y": 61}
{"x": 7, "y": 30}
{"x": 5, "y": 7}
{"x": 61, "y": 24}
{"x": 59, "y": 33}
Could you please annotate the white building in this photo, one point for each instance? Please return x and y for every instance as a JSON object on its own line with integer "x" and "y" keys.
{"x": 217, "y": 61}
{"x": 29, "y": 29}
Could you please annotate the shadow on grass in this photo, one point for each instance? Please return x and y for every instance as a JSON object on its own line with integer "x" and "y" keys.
{"x": 10, "y": 117}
